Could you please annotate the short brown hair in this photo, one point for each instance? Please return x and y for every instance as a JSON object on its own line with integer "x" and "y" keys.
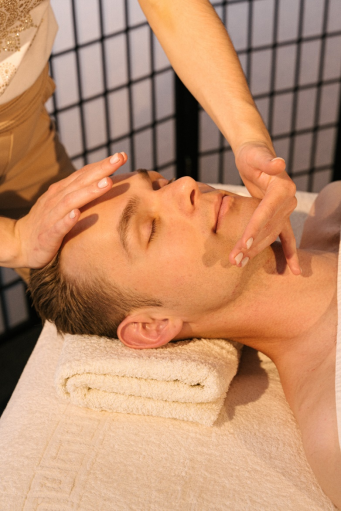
{"x": 79, "y": 305}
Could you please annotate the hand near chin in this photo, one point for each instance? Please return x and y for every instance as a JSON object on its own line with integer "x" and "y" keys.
{"x": 265, "y": 178}
{"x": 40, "y": 233}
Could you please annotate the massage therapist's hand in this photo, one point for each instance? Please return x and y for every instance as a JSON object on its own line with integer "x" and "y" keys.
{"x": 202, "y": 54}
{"x": 265, "y": 178}
{"x": 40, "y": 233}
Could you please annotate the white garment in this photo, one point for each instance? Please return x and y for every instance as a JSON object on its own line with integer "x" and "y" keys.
{"x": 27, "y": 31}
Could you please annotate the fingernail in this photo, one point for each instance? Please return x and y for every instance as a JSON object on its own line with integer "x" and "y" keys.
{"x": 238, "y": 258}
{"x": 103, "y": 183}
{"x": 249, "y": 243}
{"x": 115, "y": 159}
{"x": 244, "y": 261}
{"x": 72, "y": 214}
{"x": 278, "y": 158}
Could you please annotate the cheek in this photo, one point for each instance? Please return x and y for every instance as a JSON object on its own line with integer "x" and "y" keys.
{"x": 176, "y": 262}
{"x": 217, "y": 252}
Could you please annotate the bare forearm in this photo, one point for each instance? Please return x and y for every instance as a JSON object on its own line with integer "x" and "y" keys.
{"x": 201, "y": 52}
{"x": 9, "y": 246}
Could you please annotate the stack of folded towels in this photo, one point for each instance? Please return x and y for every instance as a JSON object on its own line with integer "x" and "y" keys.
{"x": 186, "y": 380}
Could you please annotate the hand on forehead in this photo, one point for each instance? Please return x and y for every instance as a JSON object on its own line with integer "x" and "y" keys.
{"x": 121, "y": 185}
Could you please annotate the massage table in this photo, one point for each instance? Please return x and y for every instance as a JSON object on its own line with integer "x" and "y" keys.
{"x": 57, "y": 456}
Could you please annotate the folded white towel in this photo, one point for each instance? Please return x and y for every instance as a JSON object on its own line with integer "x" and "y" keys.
{"x": 187, "y": 380}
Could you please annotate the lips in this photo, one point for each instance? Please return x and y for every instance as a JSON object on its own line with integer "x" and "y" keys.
{"x": 224, "y": 203}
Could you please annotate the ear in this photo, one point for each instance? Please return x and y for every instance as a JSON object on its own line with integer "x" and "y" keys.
{"x": 142, "y": 331}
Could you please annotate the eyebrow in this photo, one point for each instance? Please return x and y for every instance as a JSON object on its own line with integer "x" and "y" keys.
{"x": 129, "y": 212}
{"x": 144, "y": 174}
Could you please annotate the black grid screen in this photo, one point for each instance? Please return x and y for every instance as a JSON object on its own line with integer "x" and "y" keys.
{"x": 115, "y": 86}
{"x": 290, "y": 53}
{"x": 116, "y": 91}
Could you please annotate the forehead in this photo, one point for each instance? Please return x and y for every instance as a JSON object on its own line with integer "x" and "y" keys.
{"x": 118, "y": 178}
{"x": 95, "y": 236}
{"x": 115, "y": 200}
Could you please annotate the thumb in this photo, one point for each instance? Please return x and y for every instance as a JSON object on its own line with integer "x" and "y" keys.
{"x": 273, "y": 166}
{"x": 262, "y": 158}
{"x": 278, "y": 165}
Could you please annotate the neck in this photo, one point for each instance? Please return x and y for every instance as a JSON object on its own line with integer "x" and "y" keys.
{"x": 276, "y": 308}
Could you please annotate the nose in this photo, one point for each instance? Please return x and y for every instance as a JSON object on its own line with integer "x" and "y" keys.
{"x": 184, "y": 192}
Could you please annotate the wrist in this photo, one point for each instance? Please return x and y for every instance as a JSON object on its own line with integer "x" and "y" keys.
{"x": 245, "y": 126}
{"x": 10, "y": 250}
{"x": 260, "y": 144}
{"x": 19, "y": 228}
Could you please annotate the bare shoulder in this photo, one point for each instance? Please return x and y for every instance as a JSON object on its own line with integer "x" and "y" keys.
{"x": 307, "y": 373}
{"x": 321, "y": 445}
{"x": 323, "y": 226}
{"x": 311, "y": 396}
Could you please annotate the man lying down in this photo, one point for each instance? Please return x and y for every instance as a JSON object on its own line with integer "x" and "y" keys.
{"x": 148, "y": 263}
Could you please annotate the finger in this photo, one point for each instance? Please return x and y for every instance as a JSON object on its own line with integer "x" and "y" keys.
{"x": 125, "y": 156}
{"x": 262, "y": 159}
{"x": 101, "y": 172}
{"x": 270, "y": 216}
{"x": 241, "y": 254}
{"x": 290, "y": 249}
{"x": 79, "y": 197}
{"x": 98, "y": 170}
{"x": 279, "y": 200}
{"x": 244, "y": 252}
{"x": 276, "y": 166}
{"x": 91, "y": 173}
{"x": 88, "y": 175}
{"x": 259, "y": 219}
{"x": 52, "y": 239}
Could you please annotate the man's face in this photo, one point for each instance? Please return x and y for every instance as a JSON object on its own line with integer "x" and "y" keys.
{"x": 167, "y": 240}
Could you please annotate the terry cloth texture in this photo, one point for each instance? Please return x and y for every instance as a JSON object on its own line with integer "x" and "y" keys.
{"x": 57, "y": 456}
{"x": 187, "y": 380}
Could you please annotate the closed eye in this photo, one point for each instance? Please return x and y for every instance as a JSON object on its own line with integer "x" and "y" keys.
{"x": 154, "y": 222}
{"x": 153, "y": 230}
{"x": 156, "y": 186}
